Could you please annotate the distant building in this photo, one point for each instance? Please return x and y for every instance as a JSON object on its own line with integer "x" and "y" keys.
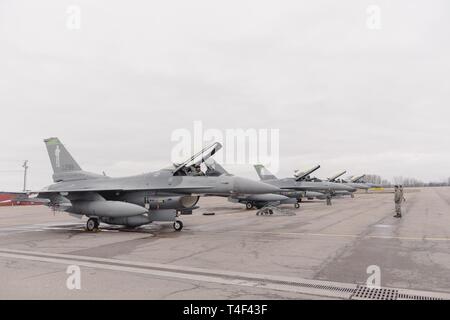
{"x": 10, "y": 199}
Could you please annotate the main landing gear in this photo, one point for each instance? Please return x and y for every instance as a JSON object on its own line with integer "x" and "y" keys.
{"x": 297, "y": 205}
{"x": 264, "y": 211}
{"x": 178, "y": 225}
{"x": 249, "y": 205}
{"x": 92, "y": 224}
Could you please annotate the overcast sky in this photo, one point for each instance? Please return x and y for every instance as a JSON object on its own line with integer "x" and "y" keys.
{"x": 342, "y": 95}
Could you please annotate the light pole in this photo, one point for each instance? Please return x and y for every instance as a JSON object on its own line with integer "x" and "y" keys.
{"x": 25, "y": 167}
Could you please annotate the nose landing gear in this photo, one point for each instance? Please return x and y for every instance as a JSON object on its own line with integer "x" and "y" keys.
{"x": 178, "y": 225}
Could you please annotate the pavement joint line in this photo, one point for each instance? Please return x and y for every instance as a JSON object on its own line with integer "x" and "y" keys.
{"x": 343, "y": 235}
{"x": 154, "y": 265}
{"x": 44, "y": 227}
{"x": 298, "y": 285}
{"x": 250, "y": 280}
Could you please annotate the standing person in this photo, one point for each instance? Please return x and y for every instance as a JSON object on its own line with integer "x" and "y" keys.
{"x": 328, "y": 199}
{"x": 402, "y": 196}
{"x": 398, "y": 197}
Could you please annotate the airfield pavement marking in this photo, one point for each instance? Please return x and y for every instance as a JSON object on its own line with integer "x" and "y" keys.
{"x": 76, "y": 226}
{"x": 44, "y": 227}
{"x": 356, "y": 236}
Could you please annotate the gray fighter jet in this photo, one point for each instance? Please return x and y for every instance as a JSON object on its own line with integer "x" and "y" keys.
{"x": 257, "y": 200}
{"x": 335, "y": 179}
{"x": 292, "y": 189}
{"x": 137, "y": 200}
{"x": 296, "y": 187}
{"x": 353, "y": 182}
{"x": 360, "y": 180}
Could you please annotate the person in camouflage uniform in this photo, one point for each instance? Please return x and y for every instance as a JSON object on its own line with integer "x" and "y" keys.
{"x": 328, "y": 199}
{"x": 398, "y": 199}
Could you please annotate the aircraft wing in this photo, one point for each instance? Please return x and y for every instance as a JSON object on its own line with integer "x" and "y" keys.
{"x": 297, "y": 188}
{"x": 301, "y": 175}
{"x": 184, "y": 189}
{"x": 306, "y": 187}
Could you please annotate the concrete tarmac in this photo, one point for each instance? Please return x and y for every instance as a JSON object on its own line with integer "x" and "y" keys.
{"x": 233, "y": 254}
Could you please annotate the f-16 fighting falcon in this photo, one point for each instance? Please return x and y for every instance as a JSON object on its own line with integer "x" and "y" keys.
{"x": 251, "y": 200}
{"x": 350, "y": 183}
{"x": 296, "y": 188}
{"x": 355, "y": 182}
{"x": 137, "y": 200}
{"x": 335, "y": 179}
{"x": 360, "y": 180}
{"x": 291, "y": 189}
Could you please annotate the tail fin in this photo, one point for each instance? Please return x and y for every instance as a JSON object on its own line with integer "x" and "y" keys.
{"x": 61, "y": 159}
{"x": 65, "y": 168}
{"x": 263, "y": 173}
{"x": 214, "y": 168}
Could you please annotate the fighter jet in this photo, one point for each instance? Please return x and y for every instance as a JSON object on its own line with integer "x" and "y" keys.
{"x": 292, "y": 189}
{"x": 360, "y": 180}
{"x": 353, "y": 182}
{"x": 257, "y": 200}
{"x": 136, "y": 200}
{"x": 296, "y": 187}
{"x": 335, "y": 179}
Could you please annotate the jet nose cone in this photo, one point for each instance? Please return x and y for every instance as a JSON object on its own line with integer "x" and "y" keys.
{"x": 348, "y": 188}
{"x": 243, "y": 185}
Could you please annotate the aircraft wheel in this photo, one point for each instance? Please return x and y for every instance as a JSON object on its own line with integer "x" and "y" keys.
{"x": 178, "y": 225}
{"x": 249, "y": 205}
{"x": 92, "y": 224}
{"x": 270, "y": 211}
{"x": 297, "y": 205}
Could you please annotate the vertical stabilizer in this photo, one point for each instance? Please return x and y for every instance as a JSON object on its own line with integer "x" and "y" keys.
{"x": 60, "y": 158}
{"x": 263, "y": 173}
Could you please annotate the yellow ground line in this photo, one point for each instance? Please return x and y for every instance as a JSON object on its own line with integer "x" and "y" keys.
{"x": 344, "y": 235}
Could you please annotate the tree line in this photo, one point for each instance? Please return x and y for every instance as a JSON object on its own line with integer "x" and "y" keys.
{"x": 404, "y": 181}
